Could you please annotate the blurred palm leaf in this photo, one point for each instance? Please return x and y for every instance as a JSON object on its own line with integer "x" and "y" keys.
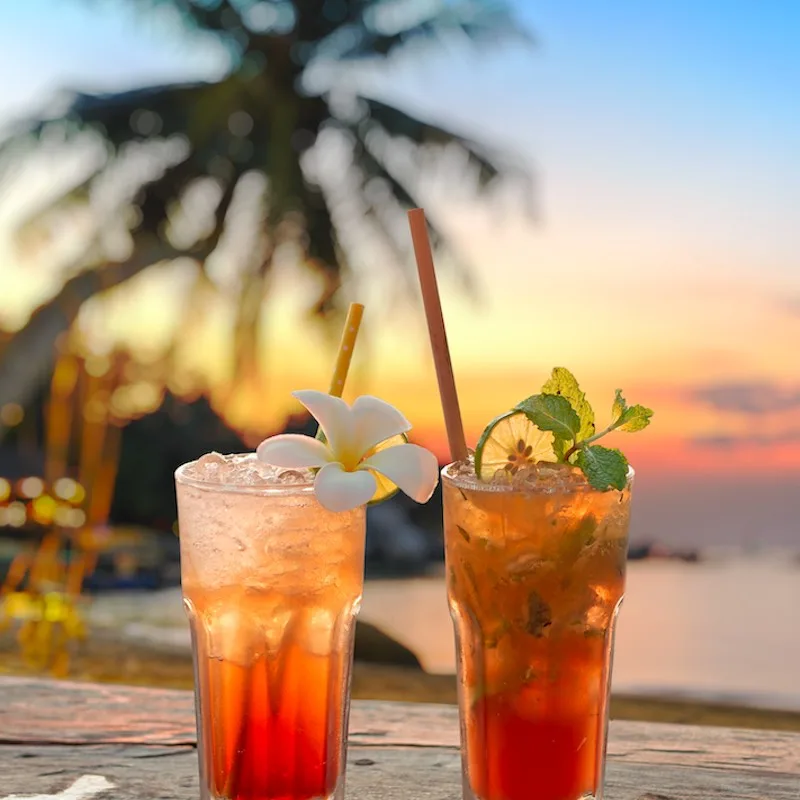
{"x": 260, "y": 118}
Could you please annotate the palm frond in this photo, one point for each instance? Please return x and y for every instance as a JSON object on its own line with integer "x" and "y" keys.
{"x": 400, "y": 199}
{"x": 376, "y": 35}
{"x": 398, "y": 124}
{"x": 214, "y": 17}
{"x": 78, "y": 194}
{"x": 322, "y": 248}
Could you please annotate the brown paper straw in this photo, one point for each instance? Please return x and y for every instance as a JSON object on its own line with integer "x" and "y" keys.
{"x": 349, "y": 334}
{"x": 441, "y": 352}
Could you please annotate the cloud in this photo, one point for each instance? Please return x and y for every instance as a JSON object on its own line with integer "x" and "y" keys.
{"x": 726, "y": 441}
{"x": 753, "y": 397}
{"x": 791, "y": 305}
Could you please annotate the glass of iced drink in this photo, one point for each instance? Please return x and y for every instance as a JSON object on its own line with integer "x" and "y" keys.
{"x": 272, "y": 583}
{"x": 536, "y": 540}
{"x": 535, "y": 577}
{"x": 536, "y": 530}
{"x": 272, "y": 566}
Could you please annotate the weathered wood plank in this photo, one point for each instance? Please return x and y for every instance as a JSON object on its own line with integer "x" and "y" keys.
{"x": 37, "y": 711}
{"x": 33, "y": 710}
{"x": 153, "y": 772}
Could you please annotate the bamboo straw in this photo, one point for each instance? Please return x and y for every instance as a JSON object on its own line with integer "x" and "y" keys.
{"x": 349, "y": 334}
{"x": 438, "y": 336}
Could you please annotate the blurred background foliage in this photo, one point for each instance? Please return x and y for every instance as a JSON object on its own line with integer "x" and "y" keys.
{"x": 287, "y": 155}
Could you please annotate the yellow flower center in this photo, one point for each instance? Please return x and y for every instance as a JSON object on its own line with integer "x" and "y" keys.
{"x": 348, "y": 458}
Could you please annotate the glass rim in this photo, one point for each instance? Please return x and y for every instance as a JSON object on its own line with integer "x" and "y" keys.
{"x": 263, "y": 489}
{"x": 473, "y": 483}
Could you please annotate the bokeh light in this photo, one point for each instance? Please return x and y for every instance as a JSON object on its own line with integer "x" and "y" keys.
{"x": 30, "y": 487}
{"x": 16, "y": 514}
{"x": 11, "y": 414}
{"x": 75, "y": 518}
{"x": 43, "y": 508}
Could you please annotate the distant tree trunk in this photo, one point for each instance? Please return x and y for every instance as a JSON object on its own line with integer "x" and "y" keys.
{"x": 27, "y": 360}
{"x": 247, "y": 330}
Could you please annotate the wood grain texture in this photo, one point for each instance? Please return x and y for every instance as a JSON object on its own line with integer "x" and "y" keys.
{"x": 153, "y": 772}
{"x": 142, "y": 740}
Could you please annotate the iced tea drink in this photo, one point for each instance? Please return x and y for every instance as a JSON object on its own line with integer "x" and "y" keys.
{"x": 272, "y": 583}
{"x": 535, "y": 576}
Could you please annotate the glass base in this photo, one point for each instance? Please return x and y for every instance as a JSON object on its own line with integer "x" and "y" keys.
{"x": 468, "y": 794}
{"x": 338, "y": 794}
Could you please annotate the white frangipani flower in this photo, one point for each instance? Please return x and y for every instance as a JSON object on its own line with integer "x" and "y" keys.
{"x": 345, "y": 478}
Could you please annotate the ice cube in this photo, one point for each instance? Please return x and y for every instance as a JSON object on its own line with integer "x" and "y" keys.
{"x": 234, "y": 635}
{"x": 294, "y": 476}
{"x": 319, "y": 631}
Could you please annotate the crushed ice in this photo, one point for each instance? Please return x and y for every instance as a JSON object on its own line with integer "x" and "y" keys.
{"x": 244, "y": 469}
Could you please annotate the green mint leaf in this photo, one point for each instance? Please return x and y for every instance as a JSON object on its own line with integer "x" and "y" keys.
{"x": 551, "y": 412}
{"x": 619, "y": 407}
{"x": 605, "y": 468}
{"x": 629, "y": 418}
{"x": 560, "y": 447}
{"x": 562, "y": 382}
{"x": 636, "y": 419}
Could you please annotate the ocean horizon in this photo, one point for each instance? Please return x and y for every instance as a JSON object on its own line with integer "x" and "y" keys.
{"x": 724, "y": 629}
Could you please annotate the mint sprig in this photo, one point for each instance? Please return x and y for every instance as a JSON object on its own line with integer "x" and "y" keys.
{"x": 629, "y": 418}
{"x": 562, "y": 382}
{"x": 603, "y": 466}
{"x": 563, "y": 409}
{"x": 551, "y": 412}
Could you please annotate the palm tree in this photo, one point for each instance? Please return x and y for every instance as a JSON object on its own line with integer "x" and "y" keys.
{"x": 250, "y": 156}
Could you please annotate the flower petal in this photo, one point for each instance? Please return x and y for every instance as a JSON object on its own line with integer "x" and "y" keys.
{"x": 375, "y": 421}
{"x": 334, "y": 417}
{"x": 412, "y": 468}
{"x": 339, "y": 490}
{"x": 293, "y": 450}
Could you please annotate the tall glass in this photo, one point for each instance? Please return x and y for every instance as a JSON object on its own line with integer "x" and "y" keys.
{"x": 535, "y": 578}
{"x": 272, "y": 583}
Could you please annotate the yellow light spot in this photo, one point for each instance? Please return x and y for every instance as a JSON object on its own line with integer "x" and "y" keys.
{"x": 97, "y": 366}
{"x": 5, "y": 489}
{"x": 65, "y": 488}
{"x": 75, "y": 518}
{"x": 11, "y": 414}
{"x": 95, "y": 410}
{"x": 61, "y": 515}
{"x": 16, "y": 515}
{"x": 117, "y": 405}
{"x": 56, "y": 607}
{"x": 31, "y": 487}
{"x": 44, "y": 508}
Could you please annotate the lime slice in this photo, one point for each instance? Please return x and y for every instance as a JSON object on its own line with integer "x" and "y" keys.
{"x": 509, "y": 443}
{"x": 386, "y": 488}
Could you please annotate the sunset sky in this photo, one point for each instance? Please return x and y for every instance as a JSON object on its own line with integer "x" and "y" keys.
{"x": 664, "y": 138}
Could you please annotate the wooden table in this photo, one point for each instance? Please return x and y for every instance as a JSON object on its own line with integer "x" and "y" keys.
{"x": 123, "y": 743}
